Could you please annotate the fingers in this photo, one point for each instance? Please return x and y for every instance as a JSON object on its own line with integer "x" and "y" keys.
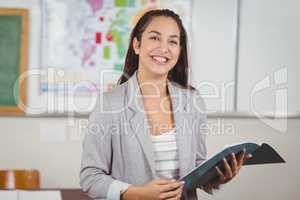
{"x": 244, "y": 158}
{"x": 164, "y": 181}
{"x": 241, "y": 158}
{"x": 249, "y": 155}
{"x": 228, "y": 172}
{"x": 173, "y": 195}
{"x": 232, "y": 169}
{"x": 180, "y": 193}
{"x": 234, "y": 164}
{"x": 171, "y": 186}
{"x": 221, "y": 175}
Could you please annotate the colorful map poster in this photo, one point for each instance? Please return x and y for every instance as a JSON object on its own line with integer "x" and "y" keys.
{"x": 84, "y": 42}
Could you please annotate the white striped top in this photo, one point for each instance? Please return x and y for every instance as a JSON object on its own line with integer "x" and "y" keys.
{"x": 166, "y": 155}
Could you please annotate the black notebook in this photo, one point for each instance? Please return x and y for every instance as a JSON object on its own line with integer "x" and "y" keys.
{"x": 205, "y": 172}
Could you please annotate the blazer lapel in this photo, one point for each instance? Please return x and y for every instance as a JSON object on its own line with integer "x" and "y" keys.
{"x": 182, "y": 124}
{"x": 138, "y": 121}
{"x": 139, "y": 124}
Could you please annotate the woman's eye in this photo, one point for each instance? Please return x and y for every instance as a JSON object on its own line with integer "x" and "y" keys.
{"x": 174, "y": 42}
{"x": 154, "y": 38}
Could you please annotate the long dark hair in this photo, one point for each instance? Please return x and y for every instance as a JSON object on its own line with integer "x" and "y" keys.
{"x": 179, "y": 73}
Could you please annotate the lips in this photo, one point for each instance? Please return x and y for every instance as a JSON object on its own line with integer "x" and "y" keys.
{"x": 160, "y": 59}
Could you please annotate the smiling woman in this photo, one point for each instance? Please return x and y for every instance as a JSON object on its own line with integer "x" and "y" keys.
{"x": 163, "y": 40}
{"x": 165, "y": 134}
{"x": 159, "y": 46}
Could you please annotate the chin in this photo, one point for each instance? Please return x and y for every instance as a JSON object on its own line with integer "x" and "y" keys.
{"x": 160, "y": 70}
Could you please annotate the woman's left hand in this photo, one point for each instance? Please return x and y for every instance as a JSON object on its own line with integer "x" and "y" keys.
{"x": 231, "y": 170}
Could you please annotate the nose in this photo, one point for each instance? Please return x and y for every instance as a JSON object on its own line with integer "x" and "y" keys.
{"x": 164, "y": 46}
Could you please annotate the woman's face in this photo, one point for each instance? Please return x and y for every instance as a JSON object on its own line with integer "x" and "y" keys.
{"x": 159, "y": 47}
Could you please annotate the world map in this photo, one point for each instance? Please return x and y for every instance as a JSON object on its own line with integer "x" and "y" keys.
{"x": 82, "y": 38}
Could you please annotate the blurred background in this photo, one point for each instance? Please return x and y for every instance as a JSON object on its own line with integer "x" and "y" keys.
{"x": 244, "y": 57}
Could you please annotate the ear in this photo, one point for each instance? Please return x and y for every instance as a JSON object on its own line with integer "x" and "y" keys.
{"x": 136, "y": 45}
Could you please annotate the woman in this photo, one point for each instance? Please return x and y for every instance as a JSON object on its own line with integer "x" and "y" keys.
{"x": 150, "y": 130}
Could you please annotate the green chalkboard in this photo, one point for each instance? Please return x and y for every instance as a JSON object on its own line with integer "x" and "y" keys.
{"x": 10, "y": 29}
{"x": 13, "y": 58}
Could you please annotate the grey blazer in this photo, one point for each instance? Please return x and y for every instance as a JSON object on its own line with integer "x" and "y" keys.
{"x": 117, "y": 150}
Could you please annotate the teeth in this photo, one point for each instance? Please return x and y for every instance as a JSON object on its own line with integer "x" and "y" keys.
{"x": 160, "y": 59}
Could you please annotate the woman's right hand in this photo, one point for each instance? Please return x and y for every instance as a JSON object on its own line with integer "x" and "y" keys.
{"x": 156, "y": 190}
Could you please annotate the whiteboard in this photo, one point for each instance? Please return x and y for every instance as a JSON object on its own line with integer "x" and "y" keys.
{"x": 269, "y": 58}
{"x": 213, "y": 52}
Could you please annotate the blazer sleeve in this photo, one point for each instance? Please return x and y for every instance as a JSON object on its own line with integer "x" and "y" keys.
{"x": 96, "y": 161}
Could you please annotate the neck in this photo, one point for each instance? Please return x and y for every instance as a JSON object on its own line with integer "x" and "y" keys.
{"x": 152, "y": 86}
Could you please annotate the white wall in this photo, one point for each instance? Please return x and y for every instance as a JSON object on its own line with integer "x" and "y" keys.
{"x": 59, "y": 162}
{"x": 24, "y": 147}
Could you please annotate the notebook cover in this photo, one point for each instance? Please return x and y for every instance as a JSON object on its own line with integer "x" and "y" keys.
{"x": 261, "y": 154}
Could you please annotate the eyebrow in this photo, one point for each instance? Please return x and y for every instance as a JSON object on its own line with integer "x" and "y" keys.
{"x": 156, "y": 32}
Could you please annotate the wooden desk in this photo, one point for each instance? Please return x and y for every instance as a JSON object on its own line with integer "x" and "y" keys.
{"x": 73, "y": 194}
{"x": 66, "y": 194}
